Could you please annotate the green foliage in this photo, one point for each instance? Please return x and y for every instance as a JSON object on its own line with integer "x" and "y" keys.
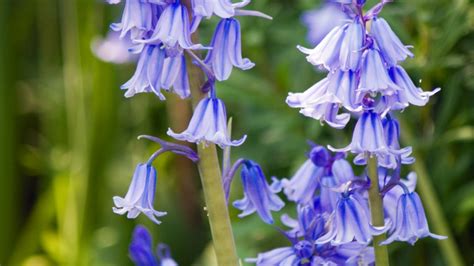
{"x": 67, "y": 135}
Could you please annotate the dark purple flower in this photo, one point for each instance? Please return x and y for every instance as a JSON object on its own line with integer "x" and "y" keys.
{"x": 140, "y": 196}
{"x": 141, "y": 250}
{"x": 259, "y": 196}
{"x": 226, "y": 51}
{"x": 392, "y": 49}
{"x": 208, "y": 124}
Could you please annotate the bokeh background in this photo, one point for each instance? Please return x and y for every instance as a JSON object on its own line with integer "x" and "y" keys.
{"x": 68, "y": 136}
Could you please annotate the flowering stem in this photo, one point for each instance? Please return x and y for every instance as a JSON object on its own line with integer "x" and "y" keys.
{"x": 376, "y": 210}
{"x": 211, "y": 179}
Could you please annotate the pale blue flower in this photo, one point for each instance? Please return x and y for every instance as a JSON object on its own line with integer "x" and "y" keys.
{"x": 226, "y": 50}
{"x": 410, "y": 224}
{"x": 392, "y": 49}
{"x": 140, "y": 196}
{"x": 304, "y": 183}
{"x": 208, "y": 124}
{"x": 222, "y": 8}
{"x": 326, "y": 53}
{"x": 137, "y": 19}
{"x": 259, "y": 196}
{"x": 173, "y": 29}
{"x": 351, "y": 47}
{"x": 374, "y": 76}
{"x": 409, "y": 93}
{"x": 156, "y": 71}
{"x": 350, "y": 221}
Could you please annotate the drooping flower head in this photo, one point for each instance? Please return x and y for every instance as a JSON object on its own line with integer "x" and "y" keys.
{"x": 156, "y": 71}
{"x": 410, "y": 224}
{"x": 350, "y": 222}
{"x": 208, "y": 124}
{"x": 259, "y": 196}
{"x": 302, "y": 186}
{"x": 226, "y": 50}
{"x": 137, "y": 19}
{"x": 140, "y": 196}
{"x": 173, "y": 29}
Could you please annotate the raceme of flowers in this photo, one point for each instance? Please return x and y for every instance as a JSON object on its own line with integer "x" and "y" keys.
{"x": 333, "y": 224}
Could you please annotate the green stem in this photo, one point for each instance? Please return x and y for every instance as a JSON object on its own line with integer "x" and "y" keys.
{"x": 376, "y": 210}
{"x": 210, "y": 173}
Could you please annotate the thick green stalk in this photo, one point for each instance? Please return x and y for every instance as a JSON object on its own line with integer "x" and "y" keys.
{"x": 376, "y": 210}
{"x": 210, "y": 173}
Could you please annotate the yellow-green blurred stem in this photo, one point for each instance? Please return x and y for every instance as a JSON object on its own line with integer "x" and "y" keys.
{"x": 376, "y": 210}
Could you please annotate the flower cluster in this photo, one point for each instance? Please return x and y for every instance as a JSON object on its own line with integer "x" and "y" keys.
{"x": 160, "y": 31}
{"x": 333, "y": 226}
{"x": 334, "y": 223}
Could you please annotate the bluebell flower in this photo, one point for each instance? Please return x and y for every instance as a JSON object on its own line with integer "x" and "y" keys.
{"x": 326, "y": 53}
{"x": 322, "y": 20}
{"x": 156, "y": 71}
{"x": 394, "y": 155}
{"x": 350, "y": 221}
{"x": 140, "y": 196}
{"x": 173, "y": 29}
{"x": 305, "y": 252}
{"x": 310, "y": 223}
{"x": 338, "y": 88}
{"x": 392, "y": 134}
{"x": 304, "y": 183}
{"x": 368, "y": 135}
{"x": 137, "y": 19}
{"x": 222, "y": 8}
{"x": 226, "y": 50}
{"x": 390, "y": 198}
{"x": 302, "y": 186}
{"x": 374, "y": 76}
{"x": 141, "y": 250}
{"x": 259, "y": 196}
{"x": 409, "y": 93}
{"x": 323, "y": 100}
{"x": 392, "y": 49}
{"x": 410, "y": 223}
{"x": 300, "y": 253}
{"x": 341, "y": 174}
{"x": 208, "y": 124}
{"x": 351, "y": 47}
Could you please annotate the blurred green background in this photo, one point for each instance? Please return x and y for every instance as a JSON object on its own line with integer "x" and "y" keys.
{"x": 68, "y": 136}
